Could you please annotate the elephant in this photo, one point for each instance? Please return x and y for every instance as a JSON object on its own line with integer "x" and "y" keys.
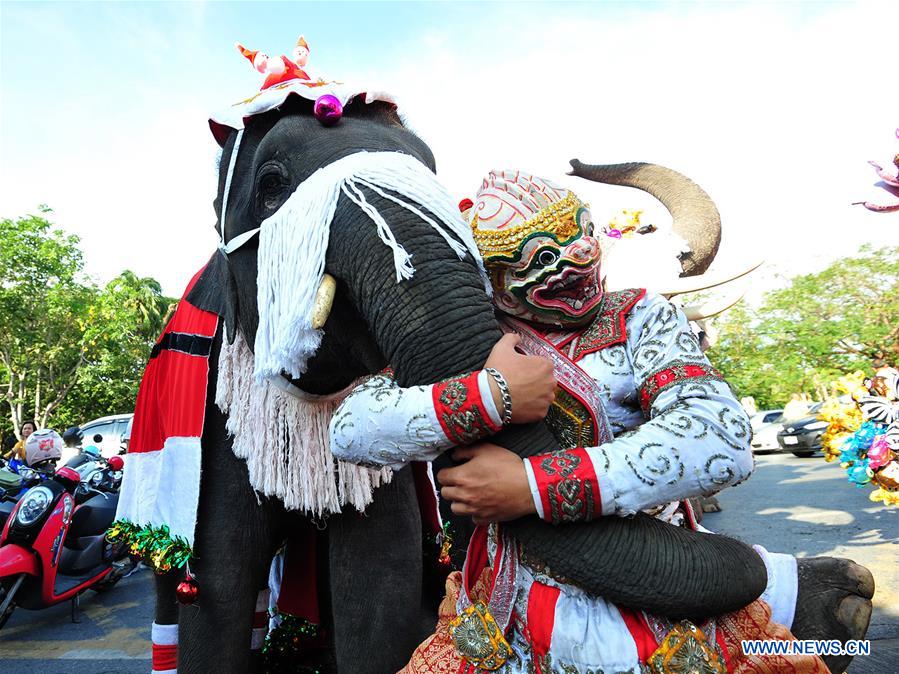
{"x": 435, "y": 325}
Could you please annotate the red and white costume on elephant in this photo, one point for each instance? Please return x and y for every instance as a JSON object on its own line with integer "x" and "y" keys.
{"x": 643, "y": 419}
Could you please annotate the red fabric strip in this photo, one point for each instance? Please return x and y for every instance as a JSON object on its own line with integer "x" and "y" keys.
{"x": 299, "y": 585}
{"x": 643, "y": 637}
{"x": 165, "y": 657}
{"x": 427, "y": 498}
{"x": 722, "y": 644}
{"x": 476, "y": 558}
{"x": 260, "y": 619}
{"x": 460, "y": 410}
{"x": 542, "y": 616}
{"x": 568, "y": 486}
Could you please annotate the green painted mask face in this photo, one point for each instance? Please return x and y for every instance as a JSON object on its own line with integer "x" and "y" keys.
{"x": 551, "y": 279}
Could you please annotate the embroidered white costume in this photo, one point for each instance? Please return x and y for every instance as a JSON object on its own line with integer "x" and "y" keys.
{"x": 678, "y": 432}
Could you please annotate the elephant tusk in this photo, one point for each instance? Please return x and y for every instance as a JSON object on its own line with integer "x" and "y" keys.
{"x": 692, "y": 284}
{"x": 324, "y": 299}
{"x": 696, "y": 312}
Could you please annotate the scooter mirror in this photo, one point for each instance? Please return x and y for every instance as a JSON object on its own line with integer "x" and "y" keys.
{"x": 68, "y": 477}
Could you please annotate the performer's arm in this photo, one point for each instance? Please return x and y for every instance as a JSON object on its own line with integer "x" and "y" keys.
{"x": 695, "y": 442}
{"x": 381, "y": 424}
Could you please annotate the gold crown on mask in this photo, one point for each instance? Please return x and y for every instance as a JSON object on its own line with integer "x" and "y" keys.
{"x": 558, "y": 219}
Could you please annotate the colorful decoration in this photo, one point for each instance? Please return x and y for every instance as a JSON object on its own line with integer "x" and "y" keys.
{"x": 286, "y": 648}
{"x": 328, "y": 109}
{"x": 282, "y": 68}
{"x": 628, "y": 227}
{"x": 890, "y": 178}
{"x": 187, "y": 590}
{"x": 154, "y": 545}
{"x": 864, "y": 436}
{"x": 478, "y": 639}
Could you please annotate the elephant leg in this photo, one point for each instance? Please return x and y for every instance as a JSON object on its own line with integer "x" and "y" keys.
{"x": 232, "y": 556}
{"x": 833, "y": 602}
{"x": 375, "y": 565}
{"x": 165, "y": 624}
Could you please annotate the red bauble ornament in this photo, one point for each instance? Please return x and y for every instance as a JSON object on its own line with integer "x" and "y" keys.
{"x": 187, "y": 590}
{"x": 328, "y": 109}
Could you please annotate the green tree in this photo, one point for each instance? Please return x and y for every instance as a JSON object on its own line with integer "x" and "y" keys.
{"x": 69, "y": 350}
{"x": 821, "y": 326}
{"x": 121, "y": 328}
{"x": 43, "y": 297}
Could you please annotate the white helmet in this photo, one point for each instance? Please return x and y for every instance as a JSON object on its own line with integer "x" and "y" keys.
{"x": 43, "y": 445}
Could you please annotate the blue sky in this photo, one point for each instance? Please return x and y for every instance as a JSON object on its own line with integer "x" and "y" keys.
{"x": 773, "y": 107}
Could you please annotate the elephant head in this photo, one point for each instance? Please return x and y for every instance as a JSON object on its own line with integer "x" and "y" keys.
{"x": 439, "y": 323}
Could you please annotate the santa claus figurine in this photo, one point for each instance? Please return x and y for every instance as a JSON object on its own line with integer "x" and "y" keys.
{"x": 280, "y": 69}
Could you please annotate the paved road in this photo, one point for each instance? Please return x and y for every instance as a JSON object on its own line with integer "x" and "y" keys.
{"x": 801, "y": 506}
{"x": 113, "y": 635}
{"x": 807, "y": 508}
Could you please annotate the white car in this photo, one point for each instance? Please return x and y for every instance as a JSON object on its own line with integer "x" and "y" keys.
{"x": 111, "y": 430}
{"x": 765, "y": 427}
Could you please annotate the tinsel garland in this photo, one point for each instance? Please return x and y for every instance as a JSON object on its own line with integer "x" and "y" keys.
{"x": 154, "y": 545}
{"x": 292, "y": 647}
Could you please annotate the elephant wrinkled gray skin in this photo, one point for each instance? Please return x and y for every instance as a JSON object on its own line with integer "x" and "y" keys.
{"x": 437, "y": 324}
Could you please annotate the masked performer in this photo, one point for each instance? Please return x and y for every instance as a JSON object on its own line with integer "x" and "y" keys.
{"x": 643, "y": 423}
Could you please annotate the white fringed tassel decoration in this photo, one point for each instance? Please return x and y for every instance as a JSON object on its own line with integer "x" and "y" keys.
{"x": 284, "y": 440}
{"x": 293, "y": 243}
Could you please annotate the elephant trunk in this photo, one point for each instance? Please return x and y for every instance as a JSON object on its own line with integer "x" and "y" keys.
{"x": 440, "y": 323}
{"x": 694, "y": 215}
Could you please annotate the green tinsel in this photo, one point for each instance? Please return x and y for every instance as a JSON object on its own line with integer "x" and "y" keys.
{"x": 154, "y": 545}
{"x": 289, "y": 648}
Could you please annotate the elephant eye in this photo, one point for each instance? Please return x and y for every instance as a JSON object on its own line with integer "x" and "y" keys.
{"x": 271, "y": 184}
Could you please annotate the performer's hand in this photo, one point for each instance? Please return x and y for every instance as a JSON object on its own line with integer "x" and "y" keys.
{"x": 530, "y": 379}
{"x": 491, "y": 486}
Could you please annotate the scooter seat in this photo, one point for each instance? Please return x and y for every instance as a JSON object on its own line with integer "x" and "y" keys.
{"x": 94, "y": 516}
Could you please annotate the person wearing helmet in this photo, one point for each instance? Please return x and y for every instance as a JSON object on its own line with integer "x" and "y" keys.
{"x": 72, "y": 437}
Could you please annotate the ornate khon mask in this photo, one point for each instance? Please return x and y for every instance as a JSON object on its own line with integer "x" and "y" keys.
{"x": 537, "y": 242}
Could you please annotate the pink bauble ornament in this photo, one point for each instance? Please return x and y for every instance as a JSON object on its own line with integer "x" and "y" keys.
{"x": 328, "y": 109}
{"x": 187, "y": 590}
{"x": 879, "y": 453}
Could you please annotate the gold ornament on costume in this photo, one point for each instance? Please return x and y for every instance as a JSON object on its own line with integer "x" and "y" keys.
{"x": 686, "y": 649}
{"x": 478, "y": 639}
{"x": 558, "y": 219}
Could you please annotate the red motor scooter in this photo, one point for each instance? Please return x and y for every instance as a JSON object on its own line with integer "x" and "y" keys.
{"x": 52, "y": 549}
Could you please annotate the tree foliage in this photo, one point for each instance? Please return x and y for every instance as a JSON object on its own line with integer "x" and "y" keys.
{"x": 69, "y": 350}
{"x": 821, "y": 326}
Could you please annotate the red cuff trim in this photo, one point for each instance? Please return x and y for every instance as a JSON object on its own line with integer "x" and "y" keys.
{"x": 568, "y": 486}
{"x": 460, "y": 410}
{"x": 674, "y": 373}
{"x": 165, "y": 657}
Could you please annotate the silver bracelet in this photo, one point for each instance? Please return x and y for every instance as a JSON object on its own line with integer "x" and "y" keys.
{"x": 503, "y": 392}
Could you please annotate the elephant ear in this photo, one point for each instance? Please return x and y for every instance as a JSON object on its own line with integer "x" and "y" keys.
{"x": 215, "y": 291}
